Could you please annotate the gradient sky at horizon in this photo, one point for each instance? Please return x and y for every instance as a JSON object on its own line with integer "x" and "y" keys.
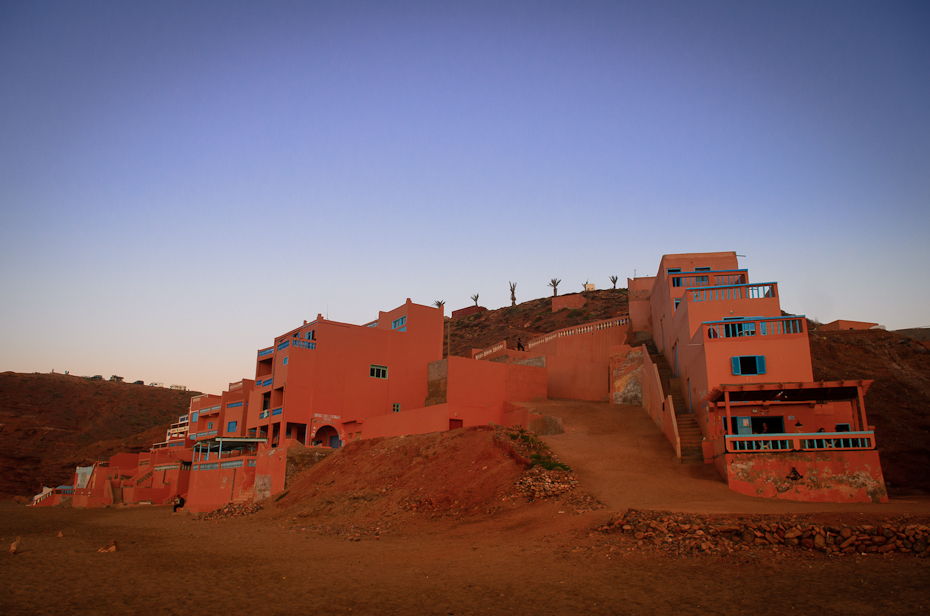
{"x": 180, "y": 182}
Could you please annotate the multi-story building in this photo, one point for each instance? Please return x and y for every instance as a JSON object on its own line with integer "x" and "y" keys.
{"x": 744, "y": 372}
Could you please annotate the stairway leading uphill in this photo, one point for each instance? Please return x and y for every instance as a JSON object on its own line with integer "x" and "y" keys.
{"x": 689, "y": 432}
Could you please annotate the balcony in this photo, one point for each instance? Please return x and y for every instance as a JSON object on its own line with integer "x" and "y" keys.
{"x": 266, "y": 352}
{"x": 730, "y": 292}
{"x": 813, "y": 442}
{"x": 690, "y": 280}
{"x": 747, "y": 328}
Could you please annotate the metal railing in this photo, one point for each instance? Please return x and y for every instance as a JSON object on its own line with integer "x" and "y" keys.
{"x": 816, "y": 441}
{"x": 744, "y": 328}
{"x": 739, "y": 291}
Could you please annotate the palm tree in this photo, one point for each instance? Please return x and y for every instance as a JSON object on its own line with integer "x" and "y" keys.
{"x": 474, "y": 298}
{"x": 513, "y": 294}
{"x": 584, "y": 285}
{"x": 554, "y": 283}
{"x": 439, "y": 303}
{"x": 614, "y": 280}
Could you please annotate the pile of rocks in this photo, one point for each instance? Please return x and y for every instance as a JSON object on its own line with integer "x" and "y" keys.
{"x": 537, "y": 482}
{"x": 687, "y": 534}
{"x": 232, "y": 510}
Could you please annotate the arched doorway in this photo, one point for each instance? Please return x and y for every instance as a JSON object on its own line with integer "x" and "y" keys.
{"x": 326, "y": 436}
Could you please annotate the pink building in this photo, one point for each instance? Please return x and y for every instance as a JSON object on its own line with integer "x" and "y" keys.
{"x": 744, "y": 374}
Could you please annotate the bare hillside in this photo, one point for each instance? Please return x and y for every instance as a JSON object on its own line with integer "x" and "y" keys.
{"x": 50, "y": 423}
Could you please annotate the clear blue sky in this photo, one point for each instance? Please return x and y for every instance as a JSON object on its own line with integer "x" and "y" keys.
{"x": 180, "y": 181}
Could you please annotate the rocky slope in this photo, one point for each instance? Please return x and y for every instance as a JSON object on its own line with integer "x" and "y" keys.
{"x": 50, "y": 423}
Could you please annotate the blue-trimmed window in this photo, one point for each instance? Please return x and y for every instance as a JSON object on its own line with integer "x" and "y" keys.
{"x": 284, "y": 345}
{"x": 285, "y": 361}
{"x": 399, "y": 323}
{"x": 677, "y": 301}
{"x": 210, "y": 426}
{"x": 276, "y": 411}
{"x": 702, "y": 269}
{"x": 234, "y": 405}
{"x": 378, "y": 372}
{"x": 311, "y": 335}
{"x": 748, "y": 364}
{"x": 194, "y": 416}
{"x": 231, "y": 426}
{"x": 267, "y": 382}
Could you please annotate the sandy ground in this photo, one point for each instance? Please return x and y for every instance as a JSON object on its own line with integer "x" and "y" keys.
{"x": 532, "y": 558}
{"x": 535, "y": 561}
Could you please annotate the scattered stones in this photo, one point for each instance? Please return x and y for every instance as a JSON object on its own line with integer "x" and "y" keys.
{"x": 110, "y": 547}
{"x": 232, "y": 510}
{"x": 14, "y": 547}
{"x": 693, "y": 535}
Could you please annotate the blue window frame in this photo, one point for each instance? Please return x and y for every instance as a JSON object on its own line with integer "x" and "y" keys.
{"x": 748, "y": 364}
{"x": 399, "y": 324}
{"x": 677, "y": 301}
{"x": 210, "y": 426}
{"x": 233, "y": 405}
{"x": 231, "y": 426}
{"x": 285, "y": 361}
{"x": 194, "y": 416}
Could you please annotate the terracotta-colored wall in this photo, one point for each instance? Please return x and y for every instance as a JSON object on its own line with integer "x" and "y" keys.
{"x": 640, "y": 307}
{"x": 576, "y": 379}
{"x": 464, "y": 312}
{"x": 658, "y": 405}
{"x": 211, "y": 489}
{"x": 573, "y": 301}
{"x": 846, "y": 325}
{"x": 828, "y": 477}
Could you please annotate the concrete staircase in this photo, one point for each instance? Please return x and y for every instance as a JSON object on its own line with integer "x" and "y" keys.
{"x": 689, "y": 432}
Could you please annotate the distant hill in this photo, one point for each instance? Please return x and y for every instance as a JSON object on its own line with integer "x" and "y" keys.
{"x": 50, "y": 423}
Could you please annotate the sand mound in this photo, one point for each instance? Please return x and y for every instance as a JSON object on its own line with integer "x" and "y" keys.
{"x": 465, "y": 471}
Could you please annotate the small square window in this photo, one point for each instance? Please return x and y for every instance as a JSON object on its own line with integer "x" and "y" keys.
{"x": 285, "y": 361}
{"x": 210, "y": 426}
{"x": 231, "y": 426}
{"x": 397, "y": 407}
{"x": 748, "y": 364}
{"x": 378, "y": 372}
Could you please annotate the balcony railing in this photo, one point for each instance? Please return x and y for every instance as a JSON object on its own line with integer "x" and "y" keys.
{"x": 266, "y": 352}
{"x": 745, "y": 328}
{"x": 709, "y": 279}
{"x": 738, "y": 291}
{"x": 815, "y": 441}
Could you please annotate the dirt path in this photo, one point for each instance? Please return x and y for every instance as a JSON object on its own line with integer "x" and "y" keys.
{"x": 623, "y": 459}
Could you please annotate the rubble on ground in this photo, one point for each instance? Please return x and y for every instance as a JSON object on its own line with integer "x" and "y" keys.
{"x": 231, "y": 510}
{"x": 692, "y": 535}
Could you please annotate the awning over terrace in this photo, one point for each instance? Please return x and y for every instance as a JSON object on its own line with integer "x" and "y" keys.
{"x": 814, "y": 391}
{"x": 225, "y": 444}
{"x": 788, "y": 393}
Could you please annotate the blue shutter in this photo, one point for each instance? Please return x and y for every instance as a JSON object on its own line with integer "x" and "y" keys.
{"x": 735, "y": 362}
{"x": 760, "y": 364}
